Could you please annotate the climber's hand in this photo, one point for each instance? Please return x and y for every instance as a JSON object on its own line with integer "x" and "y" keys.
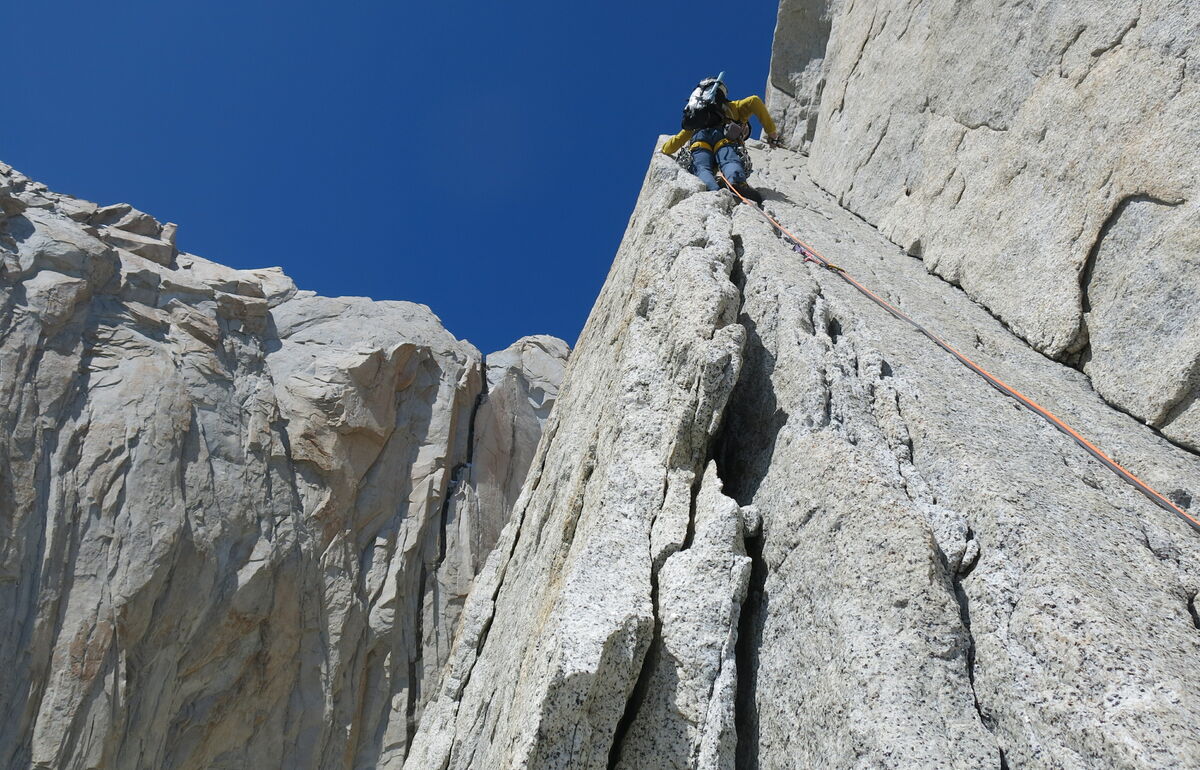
{"x": 773, "y": 140}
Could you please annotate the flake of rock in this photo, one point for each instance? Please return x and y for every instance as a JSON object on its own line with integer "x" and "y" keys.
{"x": 686, "y": 717}
{"x": 141, "y": 223}
{"x": 76, "y": 209}
{"x": 109, "y": 215}
{"x": 144, "y": 246}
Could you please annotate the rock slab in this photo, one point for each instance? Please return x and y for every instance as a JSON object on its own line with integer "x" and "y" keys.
{"x": 1043, "y": 156}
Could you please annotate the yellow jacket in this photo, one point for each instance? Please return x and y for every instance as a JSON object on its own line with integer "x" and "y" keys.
{"x": 739, "y": 110}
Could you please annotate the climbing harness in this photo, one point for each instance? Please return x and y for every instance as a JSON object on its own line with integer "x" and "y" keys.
{"x": 688, "y": 163}
{"x": 812, "y": 255}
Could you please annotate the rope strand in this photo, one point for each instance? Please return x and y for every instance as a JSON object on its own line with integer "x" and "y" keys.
{"x": 812, "y": 255}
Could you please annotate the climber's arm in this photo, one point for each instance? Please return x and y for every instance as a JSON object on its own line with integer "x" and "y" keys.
{"x": 677, "y": 141}
{"x": 753, "y": 105}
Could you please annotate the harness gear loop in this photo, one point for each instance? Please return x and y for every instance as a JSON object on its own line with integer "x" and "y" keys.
{"x": 812, "y": 255}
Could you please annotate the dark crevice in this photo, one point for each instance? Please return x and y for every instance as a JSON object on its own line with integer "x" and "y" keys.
{"x": 461, "y": 472}
{"x": 746, "y": 724}
{"x": 964, "y": 613}
{"x": 745, "y": 443}
{"x": 737, "y": 273}
{"x": 746, "y": 657}
{"x": 833, "y": 329}
{"x": 742, "y": 451}
{"x": 1191, "y": 605}
{"x": 642, "y": 686}
{"x": 415, "y": 664}
{"x": 690, "y": 535}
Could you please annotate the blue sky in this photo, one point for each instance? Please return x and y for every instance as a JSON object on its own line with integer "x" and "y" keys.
{"x": 480, "y": 158}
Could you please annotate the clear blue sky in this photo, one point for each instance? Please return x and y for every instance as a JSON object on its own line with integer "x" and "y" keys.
{"x": 481, "y": 158}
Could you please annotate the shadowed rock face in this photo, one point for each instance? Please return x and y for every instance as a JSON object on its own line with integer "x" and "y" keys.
{"x": 224, "y": 503}
{"x": 1011, "y": 145}
{"x": 772, "y": 526}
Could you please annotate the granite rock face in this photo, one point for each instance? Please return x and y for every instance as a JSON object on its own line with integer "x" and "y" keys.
{"x": 556, "y": 632}
{"x": 224, "y": 502}
{"x": 756, "y": 522}
{"x": 771, "y": 526}
{"x": 1041, "y": 155}
{"x": 798, "y": 68}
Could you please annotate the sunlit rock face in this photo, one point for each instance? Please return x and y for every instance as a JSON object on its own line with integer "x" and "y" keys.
{"x": 224, "y": 501}
{"x": 756, "y": 521}
{"x": 772, "y": 526}
{"x": 1041, "y": 155}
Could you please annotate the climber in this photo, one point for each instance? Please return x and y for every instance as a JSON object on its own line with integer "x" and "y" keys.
{"x": 718, "y": 128}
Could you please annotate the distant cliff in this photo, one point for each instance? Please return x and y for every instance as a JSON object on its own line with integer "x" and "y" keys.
{"x": 237, "y": 520}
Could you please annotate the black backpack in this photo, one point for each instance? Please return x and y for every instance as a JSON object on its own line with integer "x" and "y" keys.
{"x": 703, "y": 110}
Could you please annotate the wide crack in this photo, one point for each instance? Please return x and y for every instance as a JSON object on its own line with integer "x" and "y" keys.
{"x": 642, "y": 686}
{"x": 741, "y": 451}
{"x": 650, "y": 662}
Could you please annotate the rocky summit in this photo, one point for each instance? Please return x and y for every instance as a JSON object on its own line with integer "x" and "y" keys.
{"x": 756, "y": 521}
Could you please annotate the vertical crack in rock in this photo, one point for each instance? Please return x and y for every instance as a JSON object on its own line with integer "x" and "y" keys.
{"x": 748, "y": 642}
{"x": 641, "y": 687}
{"x": 1191, "y": 605}
{"x": 417, "y": 659}
{"x": 680, "y": 711}
{"x": 733, "y": 464}
{"x": 460, "y": 473}
{"x": 964, "y": 612}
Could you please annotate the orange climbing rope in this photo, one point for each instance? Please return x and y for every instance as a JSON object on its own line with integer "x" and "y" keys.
{"x": 812, "y": 255}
